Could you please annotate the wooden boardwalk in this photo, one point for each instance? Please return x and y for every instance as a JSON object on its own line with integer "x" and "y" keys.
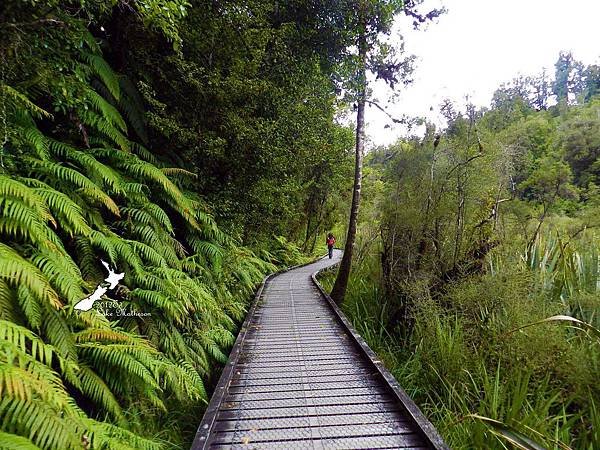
{"x": 299, "y": 377}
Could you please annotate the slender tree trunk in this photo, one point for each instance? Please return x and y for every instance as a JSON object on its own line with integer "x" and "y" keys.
{"x": 341, "y": 281}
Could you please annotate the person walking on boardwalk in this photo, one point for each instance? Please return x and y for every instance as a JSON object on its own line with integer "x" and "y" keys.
{"x": 330, "y": 243}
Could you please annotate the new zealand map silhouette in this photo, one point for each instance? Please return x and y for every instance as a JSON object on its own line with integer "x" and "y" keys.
{"x": 110, "y": 282}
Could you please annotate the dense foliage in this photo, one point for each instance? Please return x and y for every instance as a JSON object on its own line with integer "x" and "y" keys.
{"x": 471, "y": 239}
{"x": 193, "y": 146}
{"x": 128, "y": 130}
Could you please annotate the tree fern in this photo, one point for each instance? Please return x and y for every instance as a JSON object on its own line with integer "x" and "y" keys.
{"x": 62, "y": 209}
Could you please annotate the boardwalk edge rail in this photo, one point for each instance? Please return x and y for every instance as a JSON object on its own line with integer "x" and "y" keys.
{"x": 210, "y": 415}
{"x": 426, "y": 428}
{"x": 428, "y": 431}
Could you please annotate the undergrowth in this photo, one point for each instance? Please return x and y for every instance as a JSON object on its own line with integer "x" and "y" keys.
{"x": 481, "y": 382}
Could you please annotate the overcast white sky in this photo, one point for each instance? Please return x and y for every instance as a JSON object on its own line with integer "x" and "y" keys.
{"x": 478, "y": 44}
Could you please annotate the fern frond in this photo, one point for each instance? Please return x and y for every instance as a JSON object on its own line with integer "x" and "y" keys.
{"x": 94, "y": 169}
{"x": 105, "y": 435}
{"x": 170, "y": 340}
{"x": 99, "y": 240}
{"x": 24, "y": 378}
{"x": 27, "y": 341}
{"x": 126, "y": 254}
{"x": 133, "y": 107}
{"x": 54, "y": 173}
{"x": 101, "y": 68}
{"x": 104, "y": 335}
{"x": 133, "y": 360}
{"x": 41, "y": 423}
{"x": 173, "y": 309}
{"x": 10, "y": 187}
{"x": 104, "y": 126}
{"x": 161, "y": 217}
{"x": 17, "y": 270}
{"x": 144, "y": 154}
{"x": 149, "y": 173}
{"x": 108, "y": 111}
{"x": 30, "y": 307}
{"x": 150, "y": 236}
{"x": 8, "y": 310}
{"x": 14, "y": 442}
{"x": 198, "y": 355}
{"x": 58, "y": 332}
{"x": 136, "y": 189}
{"x": 210, "y": 251}
{"x": 150, "y": 214}
{"x": 183, "y": 380}
{"x": 148, "y": 253}
{"x": 69, "y": 214}
{"x": 94, "y": 387}
{"x": 17, "y": 99}
{"x": 213, "y": 348}
{"x": 178, "y": 172}
{"x": 19, "y": 221}
{"x": 62, "y": 273}
{"x": 31, "y": 134}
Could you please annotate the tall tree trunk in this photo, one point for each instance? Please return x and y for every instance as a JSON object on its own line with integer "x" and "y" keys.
{"x": 341, "y": 281}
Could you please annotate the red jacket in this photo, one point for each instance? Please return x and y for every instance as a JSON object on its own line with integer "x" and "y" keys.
{"x": 330, "y": 242}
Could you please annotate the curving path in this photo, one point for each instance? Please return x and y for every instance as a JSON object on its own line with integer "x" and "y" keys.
{"x": 299, "y": 377}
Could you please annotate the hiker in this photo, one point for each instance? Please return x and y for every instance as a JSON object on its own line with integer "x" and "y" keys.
{"x": 330, "y": 243}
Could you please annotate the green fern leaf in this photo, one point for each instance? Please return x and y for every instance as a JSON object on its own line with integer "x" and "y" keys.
{"x": 17, "y": 100}
{"x": 18, "y": 271}
{"x": 108, "y": 111}
{"x": 93, "y": 387}
{"x": 15, "y": 442}
{"x": 54, "y": 173}
{"x": 104, "y": 72}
